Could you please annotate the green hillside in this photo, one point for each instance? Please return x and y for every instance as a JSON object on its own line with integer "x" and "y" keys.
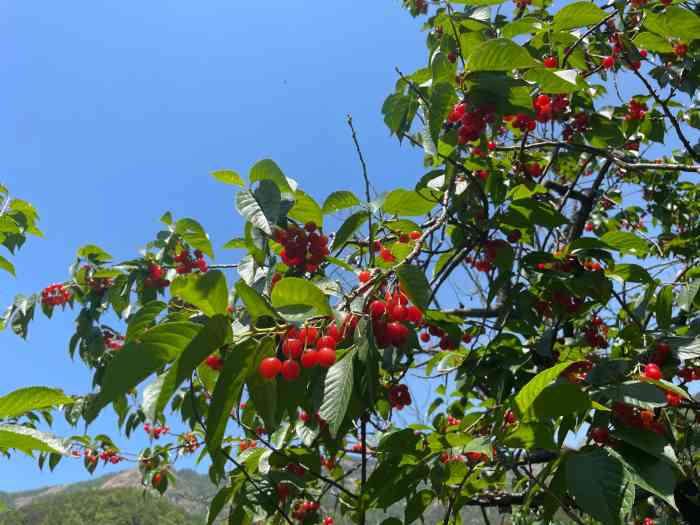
{"x": 121, "y": 506}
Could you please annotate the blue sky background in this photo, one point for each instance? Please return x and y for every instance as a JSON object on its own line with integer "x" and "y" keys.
{"x": 115, "y": 112}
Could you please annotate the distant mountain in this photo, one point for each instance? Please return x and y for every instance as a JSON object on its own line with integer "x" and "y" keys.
{"x": 113, "y": 499}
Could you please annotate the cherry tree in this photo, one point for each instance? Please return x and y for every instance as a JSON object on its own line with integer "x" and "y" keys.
{"x": 540, "y": 278}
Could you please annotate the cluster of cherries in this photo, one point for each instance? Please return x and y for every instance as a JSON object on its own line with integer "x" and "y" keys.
{"x": 186, "y": 263}
{"x": 156, "y": 277}
{"x": 630, "y": 416}
{"x": 303, "y": 508}
{"x": 522, "y": 122}
{"x": 596, "y": 334}
{"x": 389, "y": 318}
{"x": 550, "y": 107}
{"x": 155, "y": 431}
{"x": 245, "y": 444}
{"x": 303, "y": 249}
{"x": 635, "y": 110}
{"x": 306, "y": 418}
{"x": 453, "y": 421}
{"x": 446, "y": 342}
{"x": 559, "y": 302}
{"x": 471, "y": 121}
{"x": 384, "y": 252}
{"x": 55, "y": 295}
{"x": 306, "y": 346}
{"x": 112, "y": 341}
{"x": 490, "y": 253}
{"x": 471, "y": 457}
{"x": 689, "y": 374}
{"x": 108, "y": 455}
{"x": 399, "y": 397}
{"x": 96, "y": 284}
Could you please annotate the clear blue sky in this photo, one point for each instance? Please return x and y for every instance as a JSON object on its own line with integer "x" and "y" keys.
{"x": 114, "y": 112}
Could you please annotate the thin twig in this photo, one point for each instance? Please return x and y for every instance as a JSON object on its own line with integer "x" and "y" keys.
{"x": 368, "y": 197}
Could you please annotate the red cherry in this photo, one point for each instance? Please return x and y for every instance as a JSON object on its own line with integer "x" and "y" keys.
{"x": 326, "y": 357}
{"x": 325, "y": 342}
{"x": 511, "y": 417}
{"x": 308, "y": 335}
{"x": 290, "y": 370}
{"x": 398, "y": 313}
{"x": 292, "y": 347}
{"x": 452, "y": 57}
{"x": 652, "y": 371}
{"x": 310, "y": 227}
{"x": 397, "y": 333}
{"x": 648, "y": 521}
{"x": 550, "y": 62}
{"x": 155, "y": 272}
{"x": 309, "y": 359}
{"x": 643, "y": 53}
{"x": 377, "y": 308}
{"x": 364, "y": 276}
{"x": 589, "y": 227}
{"x": 214, "y": 362}
{"x": 663, "y": 347}
{"x": 680, "y": 49}
{"x": 514, "y": 236}
{"x": 608, "y": 62}
{"x": 599, "y": 434}
{"x": 414, "y": 315}
{"x": 414, "y": 235}
{"x": 328, "y": 520}
{"x": 425, "y": 337}
{"x": 673, "y": 399}
{"x": 270, "y": 367}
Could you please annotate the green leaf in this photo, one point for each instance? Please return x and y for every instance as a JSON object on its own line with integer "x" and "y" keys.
{"x": 94, "y": 253}
{"x": 524, "y": 212}
{"x": 395, "y": 110}
{"x": 674, "y": 22}
{"x": 213, "y": 336}
{"x": 531, "y": 435}
{"x": 407, "y": 202}
{"x": 207, "y": 291}
{"x": 652, "y": 42}
{"x": 136, "y": 361}
{"x": 597, "y": 480}
{"x": 256, "y": 305}
{"x": 578, "y": 14}
{"x": 499, "y": 54}
{"x": 251, "y": 210}
{"x": 687, "y": 295}
{"x": 339, "y": 200}
{"x": 228, "y": 177}
{"x": 417, "y": 505}
{"x": 626, "y": 242}
{"x": 414, "y": 284}
{"x": 649, "y": 473}
{"x": 630, "y": 273}
{"x": 527, "y": 395}
{"x": 266, "y": 169}
{"x": 293, "y": 296}
{"x": 337, "y": 392}
{"x": 29, "y": 440}
{"x": 194, "y": 235}
{"x": 348, "y": 229}
{"x": 649, "y": 442}
{"x": 641, "y": 395}
{"x": 32, "y": 398}
{"x": 143, "y": 319}
{"x": 560, "y": 399}
{"x": 306, "y": 209}
{"x": 227, "y": 392}
{"x": 6, "y": 265}
{"x": 553, "y": 81}
{"x": 664, "y": 307}
{"x": 442, "y": 98}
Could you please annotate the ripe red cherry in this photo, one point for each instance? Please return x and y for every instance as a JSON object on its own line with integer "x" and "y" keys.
{"x": 308, "y": 335}
{"x": 652, "y": 371}
{"x": 589, "y": 227}
{"x": 452, "y": 57}
{"x": 377, "y": 308}
{"x": 663, "y": 347}
{"x": 673, "y": 399}
{"x": 599, "y": 434}
{"x": 364, "y": 276}
{"x": 550, "y": 62}
{"x": 326, "y": 357}
{"x": 310, "y": 227}
{"x": 270, "y": 367}
{"x": 309, "y": 359}
{"x": 325, "y": 342}
{"x": 398, "y": 313}
{"x": 292, "y": 347}
{"x": 414, "y": 235}
{"x": 608, "y": 62}
{"x": 290, "y": 370}
{"x": 214, "y": 362}
{"x": 414, "y": 315}
{"x": 648, "y": 521}
{"x": 643, "y": 53}
{"x": 425, "y": 337}
{"x": 328, "y": 520}
{"x": 511, "y": 417}
{"x": 397, "y": 333}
